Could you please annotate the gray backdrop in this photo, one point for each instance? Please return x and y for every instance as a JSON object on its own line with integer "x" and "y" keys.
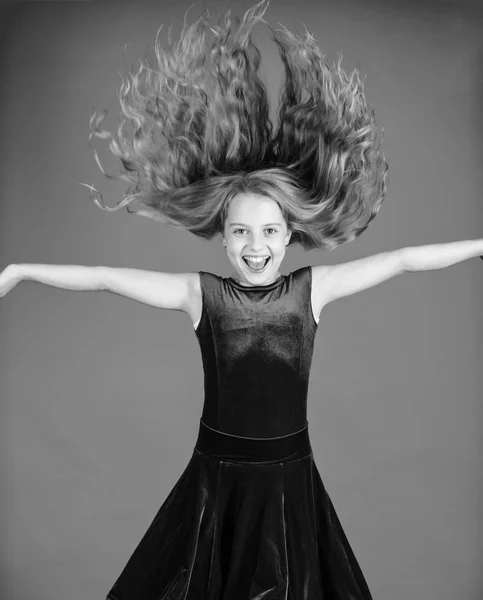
{"x": 101, "y": 396}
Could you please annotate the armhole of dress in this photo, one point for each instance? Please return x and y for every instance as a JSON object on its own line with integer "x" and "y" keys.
{"x": 315, "y": 320}
{"x": 196, "y": 325}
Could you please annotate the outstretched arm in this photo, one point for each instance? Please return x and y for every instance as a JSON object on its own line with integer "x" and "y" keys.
{"x": 340, "y": 280}
{"x": 67, "y": 277}
{"x": 438, "y": 256}
{"x": 163, "y": 290}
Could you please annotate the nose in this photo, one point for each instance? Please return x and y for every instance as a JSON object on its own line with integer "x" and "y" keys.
{"x": 256, "y": 243}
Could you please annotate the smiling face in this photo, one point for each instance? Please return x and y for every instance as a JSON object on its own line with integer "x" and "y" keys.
{"x": 255, "y": 228}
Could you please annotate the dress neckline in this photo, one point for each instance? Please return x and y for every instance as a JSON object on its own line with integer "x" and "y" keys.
{"x": 267, "y": 286}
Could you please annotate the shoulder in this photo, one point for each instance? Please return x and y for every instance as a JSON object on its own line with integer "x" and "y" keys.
{"x": 320, "y": 276}
{"x": 320, "y": 273}
{"x": 199, "y": 279}
{"x": 194, "y": 282}
{"x": 317, "y": 274}
{"x": 198, "y": 282}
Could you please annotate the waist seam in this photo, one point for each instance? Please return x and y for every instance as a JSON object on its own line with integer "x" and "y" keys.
{"x": 243, "y": 437}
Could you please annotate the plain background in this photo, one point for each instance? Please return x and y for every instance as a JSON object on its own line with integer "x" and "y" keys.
{"x": 101, "y": 396}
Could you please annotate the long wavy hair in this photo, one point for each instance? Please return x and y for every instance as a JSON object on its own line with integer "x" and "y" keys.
{"x": 200, "y": 133}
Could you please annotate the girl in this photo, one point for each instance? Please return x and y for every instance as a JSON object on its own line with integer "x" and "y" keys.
{"x": 249, "y": 517}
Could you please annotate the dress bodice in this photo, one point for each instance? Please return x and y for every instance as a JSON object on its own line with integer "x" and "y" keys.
{"x": 256, "y": 346}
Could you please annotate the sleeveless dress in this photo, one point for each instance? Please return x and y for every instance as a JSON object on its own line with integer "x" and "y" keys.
{"x": 249, "y": 517}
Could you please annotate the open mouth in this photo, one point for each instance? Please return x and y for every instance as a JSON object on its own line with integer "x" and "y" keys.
{"x": 256, "y": 266}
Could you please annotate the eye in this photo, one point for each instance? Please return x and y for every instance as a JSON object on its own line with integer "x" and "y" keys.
{"x": 243, "y": 229}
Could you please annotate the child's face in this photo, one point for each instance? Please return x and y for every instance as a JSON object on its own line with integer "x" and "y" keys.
{"x": 255, "y": 227}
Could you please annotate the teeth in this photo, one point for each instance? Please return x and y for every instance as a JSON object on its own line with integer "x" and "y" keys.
{"x": 257, "y": 260}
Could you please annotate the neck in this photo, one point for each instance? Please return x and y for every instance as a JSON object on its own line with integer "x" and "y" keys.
{"x": 248, "y": 283}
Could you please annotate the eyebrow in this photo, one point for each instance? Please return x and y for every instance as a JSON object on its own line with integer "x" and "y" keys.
{"x": 266, "y": 224}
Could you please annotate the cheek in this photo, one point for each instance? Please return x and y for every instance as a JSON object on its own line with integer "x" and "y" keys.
{"x": 234, "y": 245}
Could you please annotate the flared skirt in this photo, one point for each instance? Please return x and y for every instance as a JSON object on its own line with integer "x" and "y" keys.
{"x": 248, "y": 519}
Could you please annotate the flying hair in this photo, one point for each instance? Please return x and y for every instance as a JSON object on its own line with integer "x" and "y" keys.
{"x": 196, "y": 132}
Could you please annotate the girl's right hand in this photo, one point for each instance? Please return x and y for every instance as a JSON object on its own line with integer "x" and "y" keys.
{"x": 9, "y": 278}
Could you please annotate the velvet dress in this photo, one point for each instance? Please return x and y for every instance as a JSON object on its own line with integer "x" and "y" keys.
{"x": 249, "y": 518}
